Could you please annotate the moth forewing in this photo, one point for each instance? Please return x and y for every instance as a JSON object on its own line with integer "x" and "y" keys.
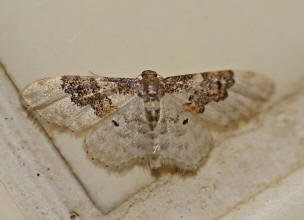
{"x": 43, "y": 92}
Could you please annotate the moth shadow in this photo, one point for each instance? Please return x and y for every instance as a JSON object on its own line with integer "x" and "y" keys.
{"x": 172, "y": 171}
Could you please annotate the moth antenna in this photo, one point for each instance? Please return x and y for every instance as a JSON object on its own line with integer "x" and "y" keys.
{"x": 94, "y": 74}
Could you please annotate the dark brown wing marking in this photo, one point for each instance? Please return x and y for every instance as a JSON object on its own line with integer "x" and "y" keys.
{"x": 201, "y": 88}
{"x": 124, "y": 85}
{"x": 88, "y": 91}
{"x": 179, "y": 83}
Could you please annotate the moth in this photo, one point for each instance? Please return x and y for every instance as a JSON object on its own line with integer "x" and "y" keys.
{"x": 155, "y": 120}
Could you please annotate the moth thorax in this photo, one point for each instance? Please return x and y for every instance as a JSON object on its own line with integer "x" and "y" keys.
{"x": 149, "y": 88}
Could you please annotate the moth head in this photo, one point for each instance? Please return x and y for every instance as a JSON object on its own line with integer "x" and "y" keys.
{"x": 149, "y": 74}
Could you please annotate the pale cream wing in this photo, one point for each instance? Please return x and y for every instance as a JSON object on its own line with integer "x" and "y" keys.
{"x": 223, "y": 98}
{"x": 78, "y": 102}
{"x": 122, "y": 138}
{"x": 184, "y": 140}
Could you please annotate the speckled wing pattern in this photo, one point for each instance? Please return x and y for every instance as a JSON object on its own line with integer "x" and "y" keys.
{"x": 222, "y": 98}
{"x": 78, "y": 102}
{"x": 149, "y": 119}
